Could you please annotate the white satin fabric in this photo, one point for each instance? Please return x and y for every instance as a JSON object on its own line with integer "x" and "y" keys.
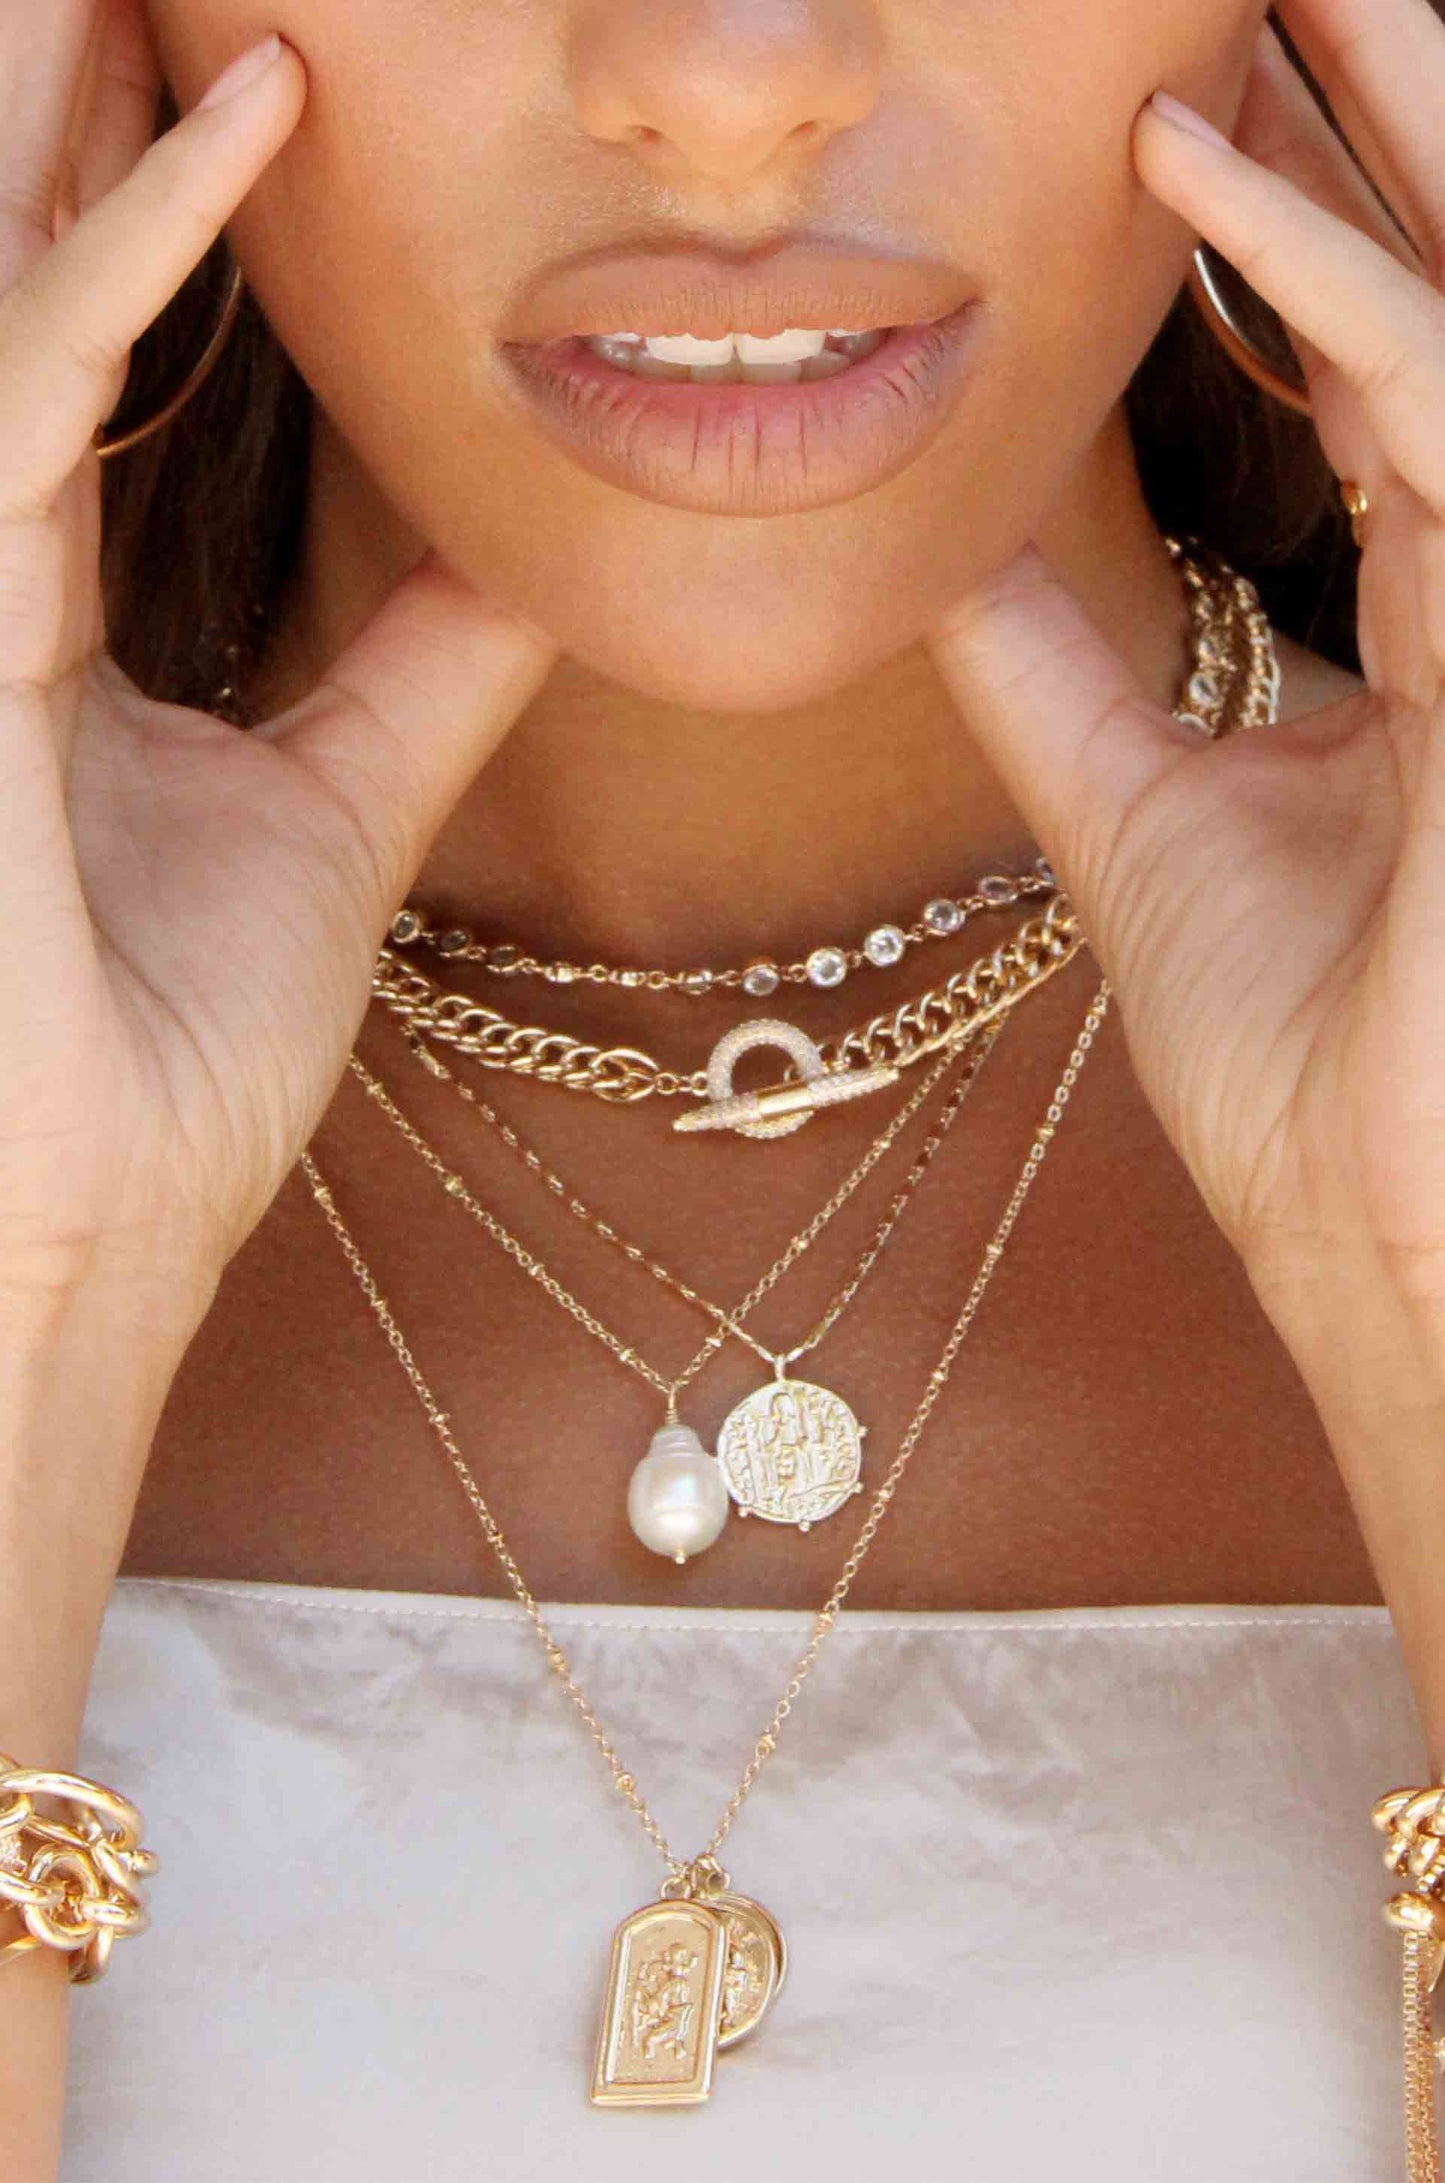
{"x": 1081, "y": 1894}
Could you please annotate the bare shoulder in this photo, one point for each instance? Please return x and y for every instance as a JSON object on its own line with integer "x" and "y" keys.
{"x": 1309, "y": 682}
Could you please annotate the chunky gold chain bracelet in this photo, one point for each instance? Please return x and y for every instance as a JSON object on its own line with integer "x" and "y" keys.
{"x": 73, "y": 1878}
{"x": 1413, "y": 1822}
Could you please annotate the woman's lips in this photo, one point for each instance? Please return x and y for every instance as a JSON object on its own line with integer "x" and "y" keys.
{"x": 736, "y": 449}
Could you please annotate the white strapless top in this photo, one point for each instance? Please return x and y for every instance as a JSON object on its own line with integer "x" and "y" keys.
{"x": 1086, "y": 1894}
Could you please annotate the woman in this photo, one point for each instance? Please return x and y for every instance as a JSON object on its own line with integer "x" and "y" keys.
{"x": 662, "y": 657}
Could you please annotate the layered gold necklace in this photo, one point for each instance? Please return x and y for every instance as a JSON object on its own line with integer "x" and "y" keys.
{"x": 694, "y": 1971}
{"x": 1232, "y": 682}
{"x": 792, "y": 1451}
{"x": 865, "y": 1059}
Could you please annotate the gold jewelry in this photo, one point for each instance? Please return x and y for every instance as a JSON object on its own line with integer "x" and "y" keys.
{"x": 1233, "y": 685}
{"x": 74, "y": 1879}
{"x": 944, "y": 1015}
{"x": 1413, "y": 1820}
{"x": 1357, "y": 507}
{"x": 782, "y": 1108}
{"x": 791, "y": 1452}
{"x": 731, "y": 1322}
{"x": 698, "y": 1968}
{"x": 1214, "y": 310}
{"x": 824, "y": 967}
{"x": 118, "y": 442}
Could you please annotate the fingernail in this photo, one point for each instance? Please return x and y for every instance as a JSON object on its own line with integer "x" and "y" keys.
{"x": 243, "y": 70}
{"x": 1184, "y": 117}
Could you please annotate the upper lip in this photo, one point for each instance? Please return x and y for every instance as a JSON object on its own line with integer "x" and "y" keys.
{"x": 695, "y": 291}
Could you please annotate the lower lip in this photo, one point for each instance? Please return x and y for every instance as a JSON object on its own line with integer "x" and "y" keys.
{"x": 735, "y": 449}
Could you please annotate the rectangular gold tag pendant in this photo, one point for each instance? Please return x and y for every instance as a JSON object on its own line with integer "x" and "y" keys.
{"x": 663, "y": 2008}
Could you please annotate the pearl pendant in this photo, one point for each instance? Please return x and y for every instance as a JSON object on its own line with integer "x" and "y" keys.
{"x": 677, "y": 1498}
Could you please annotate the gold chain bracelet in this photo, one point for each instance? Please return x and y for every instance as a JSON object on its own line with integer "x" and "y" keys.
{"x": 1413, "y": 1821}
{"x": 73, "y": 1879}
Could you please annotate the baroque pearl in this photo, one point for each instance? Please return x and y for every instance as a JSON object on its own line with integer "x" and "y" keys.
{"x": 677, "y": 1498}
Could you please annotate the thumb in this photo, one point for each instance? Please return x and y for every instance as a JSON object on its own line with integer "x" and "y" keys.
{"x": 1066, "y": 724}
{"x": 411, "y": 711}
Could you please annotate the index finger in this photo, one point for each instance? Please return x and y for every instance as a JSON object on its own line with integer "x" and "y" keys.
{"x": 1381, "y": 65}
{"x": 1380, "y": 325}
{"x": 1281, "y": 126}
{"x": 42, "y": 58}
{"x": 67, "y": 327}
{"x": 113, "y": 127}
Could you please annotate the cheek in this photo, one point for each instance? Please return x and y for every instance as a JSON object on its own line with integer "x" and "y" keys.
{"x": 1081, "y": 260}
{"x": 195, "y": 38}
{"x": 413, "y": 193}
{"x": 1055, "y": 175}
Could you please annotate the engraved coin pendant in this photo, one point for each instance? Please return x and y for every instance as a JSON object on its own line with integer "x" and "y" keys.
{"x": 791, "y": 1452}
{"x": 687, "y": 1978}
{"x": 663, "y": 2011}
{"x": 756, "y": 1965}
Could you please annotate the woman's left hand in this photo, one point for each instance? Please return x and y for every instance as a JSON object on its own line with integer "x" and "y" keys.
{"x": 1271, "y": 907}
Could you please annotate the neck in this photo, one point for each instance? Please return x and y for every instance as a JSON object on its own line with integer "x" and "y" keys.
{"x": 611, "y": 826}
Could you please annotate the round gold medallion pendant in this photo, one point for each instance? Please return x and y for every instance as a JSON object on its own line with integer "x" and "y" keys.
{"x": 757, "y": 1964}
{"x": 791, "y": 1453}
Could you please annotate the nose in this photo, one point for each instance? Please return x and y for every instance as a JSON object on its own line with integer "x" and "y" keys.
{"x": 723, "y": 90}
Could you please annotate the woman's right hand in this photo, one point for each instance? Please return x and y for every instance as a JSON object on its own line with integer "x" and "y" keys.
{"x": 190, "y": 911}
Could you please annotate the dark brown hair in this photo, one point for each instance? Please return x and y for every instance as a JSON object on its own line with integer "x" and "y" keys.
{"x": 203, "y": 523}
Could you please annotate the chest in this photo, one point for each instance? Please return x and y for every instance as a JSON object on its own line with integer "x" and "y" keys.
{"x": 1120, "y": 1422}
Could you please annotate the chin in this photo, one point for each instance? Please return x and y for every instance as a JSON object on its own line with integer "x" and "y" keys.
{"x": 712, "y": 629}
{"x": 764, "y": 662}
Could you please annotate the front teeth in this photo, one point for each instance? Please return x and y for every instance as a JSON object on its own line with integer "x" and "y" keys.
{"x": 756, "y": 359}
{"x": 793, "y": 347}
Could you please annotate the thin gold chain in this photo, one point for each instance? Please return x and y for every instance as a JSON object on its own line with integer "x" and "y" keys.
{"x": 1413, "y": 1823}
{"x": 1233, "y": 684}
{"x": 942, "y": 919}
{"x": 1228, "y": 640}
{"x": 728, "y": 1322}
{"x": 1422, "y": 2149}
{"x": 624, "y": 1781}
{"x": 801, "y": 1242}
{"x": 942, "y": 1016}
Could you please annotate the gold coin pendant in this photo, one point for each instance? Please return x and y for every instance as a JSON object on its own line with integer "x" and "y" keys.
{"x": 756, "y": 1965}
{"x": 791, "y": 1453}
